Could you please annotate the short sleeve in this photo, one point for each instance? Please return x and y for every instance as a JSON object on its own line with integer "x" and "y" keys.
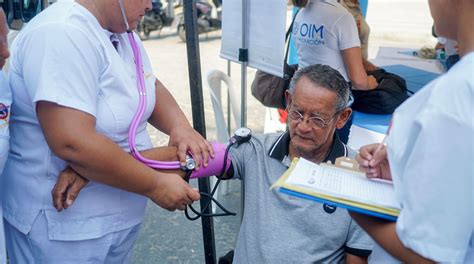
{"x": 358, "y": 242}
{"x": 242, "y": 155}
{"x": 61, "y": 64}
{"x": 347, "y": 34}
{"x": 436, "y": 188}
{"x": 238, "y": 163}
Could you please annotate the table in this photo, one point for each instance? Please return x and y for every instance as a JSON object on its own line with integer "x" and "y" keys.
{"x": 370, "y": 128}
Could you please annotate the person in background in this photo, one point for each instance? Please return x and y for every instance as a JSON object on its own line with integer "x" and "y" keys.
{"x": 324, "y": 32}
{"x": 5, "y": 106}
{"x": 75, "y": 80}
{"x": 353, "y": 6}
{"x": 429, "y": 157}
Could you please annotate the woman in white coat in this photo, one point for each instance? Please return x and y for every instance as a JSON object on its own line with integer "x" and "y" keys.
{"x": 74, "y": 75}
{"x": 430, "y": 158}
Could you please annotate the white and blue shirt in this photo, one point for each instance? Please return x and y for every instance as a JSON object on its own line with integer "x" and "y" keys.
{"x": 321, "y": 31}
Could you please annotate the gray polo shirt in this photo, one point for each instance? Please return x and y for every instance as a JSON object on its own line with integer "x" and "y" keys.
{"x": 279, "y": 228}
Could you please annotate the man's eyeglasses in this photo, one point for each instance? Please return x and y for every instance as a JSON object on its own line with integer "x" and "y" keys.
{"x": 314, "y": 121}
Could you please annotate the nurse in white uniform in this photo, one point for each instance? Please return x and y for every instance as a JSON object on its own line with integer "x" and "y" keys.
{"x": 75, "y": 95}
{"x": 430, "y": 158}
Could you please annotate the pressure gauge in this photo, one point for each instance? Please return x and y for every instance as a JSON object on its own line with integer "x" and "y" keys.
{"x": 242, "y": 135}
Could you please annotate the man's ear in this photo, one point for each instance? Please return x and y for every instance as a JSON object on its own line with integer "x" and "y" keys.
{"x": 287, "y": 98}
{"x": 343, "y": 117}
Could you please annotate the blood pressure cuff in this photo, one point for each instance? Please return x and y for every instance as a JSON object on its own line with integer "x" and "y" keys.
{"x": 215, "y": 165}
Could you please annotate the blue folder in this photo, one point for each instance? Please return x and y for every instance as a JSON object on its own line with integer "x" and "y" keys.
{"x": 345, "y": 206}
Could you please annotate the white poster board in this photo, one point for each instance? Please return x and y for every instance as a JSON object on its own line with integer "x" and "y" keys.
{"x": 266, "y": 33}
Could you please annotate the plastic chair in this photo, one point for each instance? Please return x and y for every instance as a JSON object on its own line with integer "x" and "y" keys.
{"x": 214, "y": 79}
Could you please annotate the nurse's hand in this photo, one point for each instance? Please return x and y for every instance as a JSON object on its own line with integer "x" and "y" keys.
{"x": 187, "y": 139}
{"x": 375, "y": 165}
{"x": 67, "y": 188}
{"x": 171, "y": 192}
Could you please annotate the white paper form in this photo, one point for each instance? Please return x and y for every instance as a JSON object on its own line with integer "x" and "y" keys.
{"x": 343, "y": 184}
{"x": 360, "y": 137}
{"x": 266, "y": 33}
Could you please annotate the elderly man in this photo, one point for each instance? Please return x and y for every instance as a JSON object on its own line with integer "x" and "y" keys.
{"x": 278, "y": 228}
{"x": 5, "y": 102}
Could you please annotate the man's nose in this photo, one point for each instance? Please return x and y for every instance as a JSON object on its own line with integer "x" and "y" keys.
{"x": 303, "y": 125}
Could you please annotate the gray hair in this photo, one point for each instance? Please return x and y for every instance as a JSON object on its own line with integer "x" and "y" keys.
{"x": 326, "y": 77}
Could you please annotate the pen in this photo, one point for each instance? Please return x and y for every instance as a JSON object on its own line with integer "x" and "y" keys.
{"x": 380, "y": 145}
{"x": 383, "y": 143}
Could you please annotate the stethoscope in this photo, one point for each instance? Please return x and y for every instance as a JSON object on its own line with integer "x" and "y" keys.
{"x": 164, "y": 165}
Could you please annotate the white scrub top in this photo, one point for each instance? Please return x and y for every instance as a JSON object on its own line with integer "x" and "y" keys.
{"x": 5, "y": 103}
{"x": 431, "y": 154}
{"x": 64, "y": 56}
{"x": 321, "y": 31}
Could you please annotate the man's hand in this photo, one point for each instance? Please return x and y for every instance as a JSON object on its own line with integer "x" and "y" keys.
{"x": 67, "y": 188}
{"x": 171, "y": 192}
{"x": 372, "y": 82}
{"x": 187, "y": 139}
{"x": 375, "y": 165}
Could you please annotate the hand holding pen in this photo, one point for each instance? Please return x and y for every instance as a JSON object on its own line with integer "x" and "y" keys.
{"x": 373, "y": 161}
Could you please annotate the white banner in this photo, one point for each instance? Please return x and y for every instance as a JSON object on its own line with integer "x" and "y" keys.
{"x": 266, "y": 33}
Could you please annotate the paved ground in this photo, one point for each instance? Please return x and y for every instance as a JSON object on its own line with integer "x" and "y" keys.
{"x": 168, "y": 237}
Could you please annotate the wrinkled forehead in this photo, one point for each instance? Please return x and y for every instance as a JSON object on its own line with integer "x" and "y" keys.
{"x": 310, "y": 97}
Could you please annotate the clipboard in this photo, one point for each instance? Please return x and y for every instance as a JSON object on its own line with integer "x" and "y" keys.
{"x": 347, "y": 166}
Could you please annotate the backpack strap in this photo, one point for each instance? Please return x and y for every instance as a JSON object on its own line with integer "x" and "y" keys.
{"x": 287, "y": 36}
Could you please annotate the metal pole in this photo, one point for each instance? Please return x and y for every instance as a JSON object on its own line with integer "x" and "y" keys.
{"x": 199, "y": 123}
{"x": 243, "y": 67}
{"x": 243, "y": 86}
{"x": 170, "y": 8}
{"x": 229, "y": 124}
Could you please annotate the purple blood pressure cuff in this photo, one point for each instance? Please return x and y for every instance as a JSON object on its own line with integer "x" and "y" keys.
{"x": 215, "y": 165}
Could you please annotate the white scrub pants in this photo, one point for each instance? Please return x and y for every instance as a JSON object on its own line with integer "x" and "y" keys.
{"x": 35, "y": 247}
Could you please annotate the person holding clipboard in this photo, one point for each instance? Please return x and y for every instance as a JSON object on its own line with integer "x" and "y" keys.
{"x": 429, "y": 157}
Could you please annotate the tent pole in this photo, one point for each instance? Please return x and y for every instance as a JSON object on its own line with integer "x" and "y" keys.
{"x": 199, "y": 123}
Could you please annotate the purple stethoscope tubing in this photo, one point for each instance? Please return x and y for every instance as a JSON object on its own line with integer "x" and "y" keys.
{"x": 165, "y": 165}
{"x": 132, "y": 133}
